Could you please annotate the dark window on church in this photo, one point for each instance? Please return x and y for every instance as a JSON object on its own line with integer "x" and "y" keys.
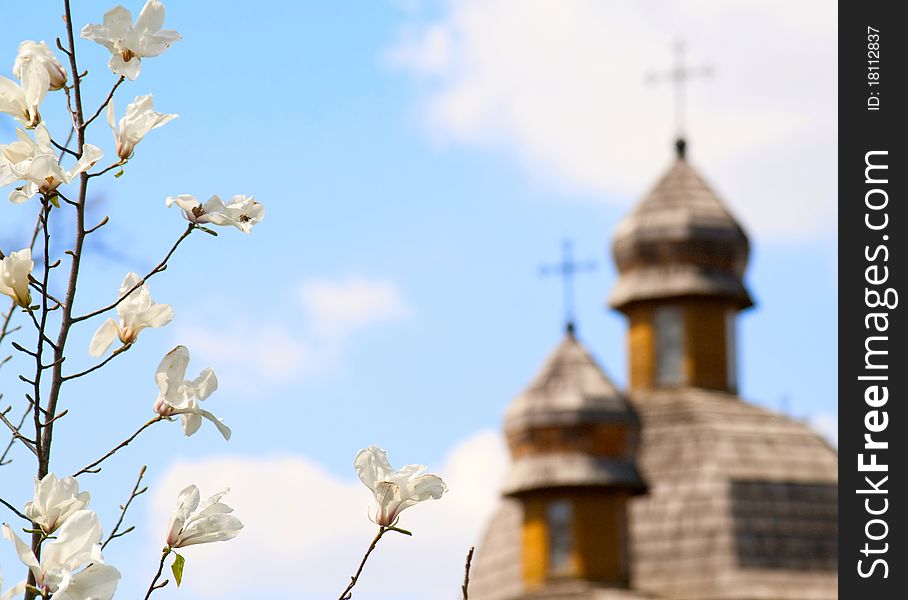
{"x": 668, "y": 323}
{"x": 785, "y": 525}
{"x": 559, "y": 521}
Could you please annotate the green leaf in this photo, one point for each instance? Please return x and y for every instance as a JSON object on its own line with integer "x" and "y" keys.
{"x": 177, "y": 567}
{"x": 208, "y": 231}
{"x": 117, "y": 175}
{"x": 55, "y": 200}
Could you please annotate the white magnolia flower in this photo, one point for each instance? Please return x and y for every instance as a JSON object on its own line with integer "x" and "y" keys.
{"x": 243, "y": 211}
{"x": 40, "y": 54}
{"x": 177, "y": 396}
{"x": 55, "y": 501}
{"x": 394, "y": 490}
{"x": 14, "y": 272}
{"x": 212, "y": 521}
{"x": 76, "y": 545}
{"x": 129, "y": 43}
{"x": 22, "y": 101}
{"x": 35, "y": 162}
{"x": 140, "y": 118}
{"x": 136, "y": 313}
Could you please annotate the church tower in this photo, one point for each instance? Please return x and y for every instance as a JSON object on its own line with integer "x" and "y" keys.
{"x": 681, "y": 257}
{"x": 742, "y": 501}
{"x": 677, "y": 489}
{"x": 563, "y": 527}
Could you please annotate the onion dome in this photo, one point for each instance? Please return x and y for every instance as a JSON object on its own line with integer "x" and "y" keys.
{"x": 680, "y": 241}
{"x": 571, "y": 427}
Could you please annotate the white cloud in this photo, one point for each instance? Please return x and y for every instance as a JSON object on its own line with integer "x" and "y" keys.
{"x": 560, "y": 83}
{"x": 338, "y": 308}
{"x": 306, "y": 529}
{"x": 248, "y": 349}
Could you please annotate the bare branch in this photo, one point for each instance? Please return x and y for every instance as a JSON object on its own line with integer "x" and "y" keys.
{"x": 14, "y": 509}
{"x": 12, "y": 439}
{"x": 92, "y": 468}
{"x": 62, "y": 148}
{"x": 116, "y": 353}
{"x": 154, "y": 582}
{"x": 347, "y": 594}
{"x": 17, "y": 435}
{"x": 161, "y": 266}
{"x": 115, "y": 533}
{"x": 105, "y": 103}
{"x": 466, "y": 574}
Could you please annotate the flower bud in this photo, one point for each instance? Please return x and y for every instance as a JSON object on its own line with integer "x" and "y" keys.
{"x": 39, "y": 53}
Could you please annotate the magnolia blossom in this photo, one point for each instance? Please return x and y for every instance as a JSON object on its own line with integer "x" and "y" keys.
{"x": 211, "y": 521}
{"x": 243, "y": 211}
{"x": 177, "y": 396}
{"x": 139, "y": 120}
{"x": 394, "y": 490}
{"x": 14, "y": 272}
{"x": 22, "y": 101}
{"x": 75, "y": 546}
{"x": 136, "y": 312}
{"x": 35, "y": 162}
{"x": 129, "y": 43}
{"x": 55, "y": 501}
{"x": 39, "y": 54}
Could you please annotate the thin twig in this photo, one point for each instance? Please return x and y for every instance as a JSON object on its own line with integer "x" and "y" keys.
{"x": 65, "y": 148}
{"x": 466, "y": 574}
{"x": 382, "y": 530}
{"x": 108, "y": 169}
{"x": 14, "y": 509}
{"x": 116, "y": 353}
{"x": 105, "y": 103}
{"x": 12, "y": 439}
{"x": 346, "y": 594}
{"x": 17, "y": 435}
{"x": 114, "y": 534}
{"x": 91, "y": 468}
{"x": 161, "y": 266}
{"x": 62, "y": 148}
{"x": 154, "y": 585}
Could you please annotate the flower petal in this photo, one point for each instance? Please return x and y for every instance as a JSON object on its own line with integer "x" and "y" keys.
{"x": 372, "y": 466}
{"x": 96, "y": 582}
{"x": 24, "y": 551}
{"x": 103, "y": 338}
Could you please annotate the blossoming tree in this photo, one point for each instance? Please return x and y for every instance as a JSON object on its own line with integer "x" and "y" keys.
{"x": 49, "y": 168}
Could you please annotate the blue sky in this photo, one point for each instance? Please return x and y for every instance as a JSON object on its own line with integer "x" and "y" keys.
{"x": 418, "y": 161}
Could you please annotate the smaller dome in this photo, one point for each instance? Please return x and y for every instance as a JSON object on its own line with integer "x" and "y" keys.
{"x": 572, "y": 428}
{"x": 680, "y": 240}
{"x": 570, "y": 389}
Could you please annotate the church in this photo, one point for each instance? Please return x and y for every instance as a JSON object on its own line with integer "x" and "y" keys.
{"x": 675, "y": 488}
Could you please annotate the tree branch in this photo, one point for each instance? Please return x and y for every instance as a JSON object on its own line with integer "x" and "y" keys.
{"x": 466, "y": 574}
{"x": 14, "y": 509}
{"x": 382, "y": 530}
{"x": 91, "y": 468}
{"x": 135, "y": 493}
{"x": 161, "y": 266}
{"x": 106, "y": 102}
{"x": 154, "y": 585}
{"x": 12, "y": 439}
{"x": 17, "y": 434}
{"x": 116, "y": 353}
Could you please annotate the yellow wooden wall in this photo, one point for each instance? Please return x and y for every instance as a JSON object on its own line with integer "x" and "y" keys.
{"x": 599, "y": 531}
{"x": 705, "y": 362}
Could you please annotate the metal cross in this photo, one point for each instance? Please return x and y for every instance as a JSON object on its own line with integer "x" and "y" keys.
{"x": 678, "y": 76}
{"x": 566, "y": 269}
